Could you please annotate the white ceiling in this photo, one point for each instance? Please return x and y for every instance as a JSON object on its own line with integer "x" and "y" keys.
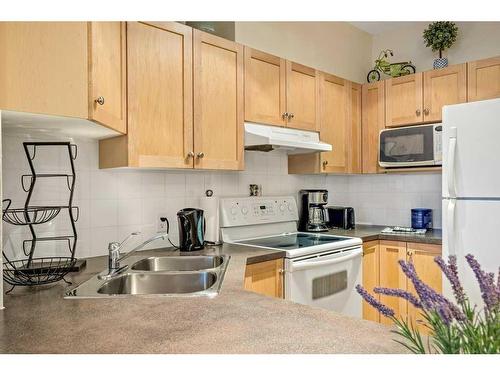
{"x": 376, "y": 27}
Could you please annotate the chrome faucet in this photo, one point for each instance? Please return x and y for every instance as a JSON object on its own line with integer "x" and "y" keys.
{"x": 115, "y": 256}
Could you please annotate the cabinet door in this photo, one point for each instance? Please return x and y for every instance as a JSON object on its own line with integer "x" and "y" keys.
{"x": 265, "y": 278}
{"x": 484, "y": 79}
{"x": 107, "y": 94}
{"x": 391, "y": 276}
{"x": 372, "y": 122}
{"x": 160, "y": 127}
{"x": 422, "y": 256}
{"x": 334, "y": 122}
{"x": 264, "y": 88}
{"x": 403, "y": 100}
{"x": 302, "y": 84}
{"x": 354, "y": 151}
{"x": 44, "y": 68}
{"x": 218, "y": 102}
{"x": 371, "y": 276}
{"x": 443, "y": 87}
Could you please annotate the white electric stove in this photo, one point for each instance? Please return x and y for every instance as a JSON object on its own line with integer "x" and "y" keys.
{"x": 320, "y": 269}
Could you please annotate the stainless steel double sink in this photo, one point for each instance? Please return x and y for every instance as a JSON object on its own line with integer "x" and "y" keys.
{"x": 197, "y": 275}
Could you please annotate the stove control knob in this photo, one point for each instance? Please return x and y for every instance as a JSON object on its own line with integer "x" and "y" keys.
{"x": 282, "y": 207}
{"x": 290, "y": 207}
{"x": 244, "y": 210}
{"x": 234, "y": 211}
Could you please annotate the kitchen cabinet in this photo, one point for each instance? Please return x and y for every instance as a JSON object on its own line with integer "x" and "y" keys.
{"x": 185, "y": 111}
{"x": 302, "y": 85}
{"x": 372, "y": 122}
{"x": 404, "y": 100}
{"x": 72, "y": 69}
{"x": 381, "y": 268}
{"x": 265, "y": 278}
{"x": 218, "y": 103}
{"x": 443, "y": 87}
{"x": 339, "y": 120}
{"x": 483, "y": 79}
{"x": 422, "y": 256}
{"x": 371, "y": 276}
{"x": 391, "y": 276}
{"x": 280, "y": 92}
{"x": 160, "y": 111}
{"x": 265, "y": 98}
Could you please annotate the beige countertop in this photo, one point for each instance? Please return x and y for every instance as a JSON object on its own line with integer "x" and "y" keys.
{"x": 236, "y": 321}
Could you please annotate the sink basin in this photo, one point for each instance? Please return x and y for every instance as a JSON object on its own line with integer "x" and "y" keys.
{"x": 178, "y": 263}
{"x": 151, "y": 283}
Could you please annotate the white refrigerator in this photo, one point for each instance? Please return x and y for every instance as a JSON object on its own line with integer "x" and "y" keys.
{"x": 471, "y": 189}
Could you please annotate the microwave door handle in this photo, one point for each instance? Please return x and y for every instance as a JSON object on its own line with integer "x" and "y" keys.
{"x": 450, "y": 226}
{"x": 452, "y": 150}
{"x": 299, "y": 266}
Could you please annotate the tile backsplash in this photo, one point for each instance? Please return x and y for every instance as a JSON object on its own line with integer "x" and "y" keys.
{"x": 114, "y": 203}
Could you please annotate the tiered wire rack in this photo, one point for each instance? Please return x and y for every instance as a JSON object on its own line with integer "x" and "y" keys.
{"x": 33, "y": 270}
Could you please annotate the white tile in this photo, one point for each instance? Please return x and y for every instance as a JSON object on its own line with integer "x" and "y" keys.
{"x": 213, "y": 181}
{"x": 103, "y": 184}
{"x": 103, "y": 213}
{"x": 195, "y": 184}
{"x": 153, "y": 184}
{"x": 129, "y": 212}
{"x": 230, "y": 184}
{"x": 101, "y": 237}
{"x": 129, "y": 184}
{"x": 152, "y": 209}
{"x": 175, "y": 184}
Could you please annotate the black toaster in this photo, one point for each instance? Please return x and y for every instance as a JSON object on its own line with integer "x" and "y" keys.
{"x": 340, "y": 217}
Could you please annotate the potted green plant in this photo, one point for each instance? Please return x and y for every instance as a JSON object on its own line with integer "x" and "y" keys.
{"x": 440, "y": 36}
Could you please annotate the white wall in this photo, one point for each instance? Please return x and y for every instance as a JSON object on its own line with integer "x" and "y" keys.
{"x": 334, "y": 47}
{"x": 114, "y": 203}
{"x": 476, "y": 40}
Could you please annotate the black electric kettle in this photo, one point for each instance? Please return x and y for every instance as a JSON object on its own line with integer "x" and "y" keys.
{"x": 191, "y": 229}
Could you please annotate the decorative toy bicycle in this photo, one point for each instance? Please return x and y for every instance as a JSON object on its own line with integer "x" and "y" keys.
{"x": 382, "y": 65}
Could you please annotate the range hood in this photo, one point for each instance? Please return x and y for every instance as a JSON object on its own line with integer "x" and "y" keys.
{"x": 268, "y": 138}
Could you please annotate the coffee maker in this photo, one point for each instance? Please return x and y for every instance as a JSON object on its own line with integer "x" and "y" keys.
{"x": 313, "y": 214}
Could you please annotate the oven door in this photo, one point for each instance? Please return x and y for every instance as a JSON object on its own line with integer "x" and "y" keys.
{"x": 407, "y": 146}
{"x": 326, "y": 280}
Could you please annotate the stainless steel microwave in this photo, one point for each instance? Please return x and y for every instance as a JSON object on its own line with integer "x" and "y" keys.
{"x": 411, "y": 146}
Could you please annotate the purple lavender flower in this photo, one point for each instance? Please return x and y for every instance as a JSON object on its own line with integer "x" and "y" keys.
{"x": 429, "y": 298}
{"x": 489, "y": 292}
{"x": 383, "y": 309}
{"x": 399, "y": 293}
{"x": 451, "y": 272}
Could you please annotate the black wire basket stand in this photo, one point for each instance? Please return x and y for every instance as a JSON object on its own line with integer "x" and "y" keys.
{"x": 33, "y": 270}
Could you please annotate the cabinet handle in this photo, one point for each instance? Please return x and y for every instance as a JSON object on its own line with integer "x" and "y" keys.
{"x": 200, "y": 155}
{"x": 281, "y": 271}
{"x": 426, "y": 111}
{"x": 417, "y": 112}
{"x": 190, "y": 155}
{"x": 285, "y": 115}
{"x": 291, "y": 116}
{"x": 100, "y": 100}
{"x": 409, "y": 253}
{"x": 325, "y": 163}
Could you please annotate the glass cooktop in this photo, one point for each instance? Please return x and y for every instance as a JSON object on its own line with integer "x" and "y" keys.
{"x": 291, "y": 241}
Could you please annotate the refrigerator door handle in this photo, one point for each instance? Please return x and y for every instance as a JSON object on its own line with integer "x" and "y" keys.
{"x": 450, "y": 226}
{"x": 452, "y": 149}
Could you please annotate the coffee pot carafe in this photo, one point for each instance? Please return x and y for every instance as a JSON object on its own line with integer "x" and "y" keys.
{"x": 313, "y": 213}
{"x": 191, "y": 229}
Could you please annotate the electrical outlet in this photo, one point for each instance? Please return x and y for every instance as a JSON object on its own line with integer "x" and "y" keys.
{"x": 163, "y": 225}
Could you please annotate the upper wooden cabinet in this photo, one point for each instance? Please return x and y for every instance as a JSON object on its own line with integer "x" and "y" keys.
{"x": 265, "y": 87}
{"x": 74, "y": 69}
{"x": 280, "y": 92}
{"x": 372, "y": 122}
{"x": 160, "y": 127}
{"x": 218, "y": 102}
{"x": 302, "y": 96}
{"x": 484, "y": 79}
{"x": 404, "y": 100}
{"x": 443, "y": 87}
{"x": 339, "y": 119}
{"x": 185, "y": 111}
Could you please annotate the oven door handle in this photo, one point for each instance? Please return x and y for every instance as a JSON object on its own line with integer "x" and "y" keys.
{"x": 299, "y": 266}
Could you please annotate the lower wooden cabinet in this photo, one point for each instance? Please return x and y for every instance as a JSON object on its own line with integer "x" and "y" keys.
{"x": 381, "y": 268}
{"x": 265, "y": 278}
